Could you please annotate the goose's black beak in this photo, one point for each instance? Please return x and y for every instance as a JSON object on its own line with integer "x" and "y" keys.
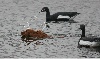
{"x": 79, "y": 29}
{"x": 78, "y": 13}
{"x": 42, "y": 10}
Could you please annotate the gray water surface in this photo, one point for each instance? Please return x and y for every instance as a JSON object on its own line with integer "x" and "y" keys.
{"x": 14, "y": 15}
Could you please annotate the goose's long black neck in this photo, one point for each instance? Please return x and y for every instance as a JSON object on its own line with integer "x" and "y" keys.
{"x": 83, "y": 32}
{"x": 47, "y": 14}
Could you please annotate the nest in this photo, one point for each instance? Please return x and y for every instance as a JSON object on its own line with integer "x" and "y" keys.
{"x": 31, "y": 35}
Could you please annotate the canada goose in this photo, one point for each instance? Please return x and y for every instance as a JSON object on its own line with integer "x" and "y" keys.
{"x": 90, "y": 41}
{"x": 59, "y": 16}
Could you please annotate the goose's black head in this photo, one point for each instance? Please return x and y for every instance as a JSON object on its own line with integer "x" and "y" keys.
{"x": 45, "y": 9}
{"x": 82, "y": 27}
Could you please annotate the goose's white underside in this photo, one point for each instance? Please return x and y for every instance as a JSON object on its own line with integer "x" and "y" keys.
{"x": 60, "y": 16}
{"x": 92, "y": 44}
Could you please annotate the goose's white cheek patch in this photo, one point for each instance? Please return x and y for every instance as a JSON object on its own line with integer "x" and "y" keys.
{"x": 41, "y": 10}
{"x": 60, "y": 16}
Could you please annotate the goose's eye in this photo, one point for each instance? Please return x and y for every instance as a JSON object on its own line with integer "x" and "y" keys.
{"x": 43, "y": 9}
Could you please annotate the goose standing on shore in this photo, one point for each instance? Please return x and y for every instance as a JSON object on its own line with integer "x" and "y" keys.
{"x": 59, "y": 16}
{"x": 90, "y": 41}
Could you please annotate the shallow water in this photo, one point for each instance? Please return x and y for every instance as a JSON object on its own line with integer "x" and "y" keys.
{"x": 14, "y": 15}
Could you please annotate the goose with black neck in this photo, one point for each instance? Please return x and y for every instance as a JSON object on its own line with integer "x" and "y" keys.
{"x": 59, "y": 16}
{"x": 88, "y": 41}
